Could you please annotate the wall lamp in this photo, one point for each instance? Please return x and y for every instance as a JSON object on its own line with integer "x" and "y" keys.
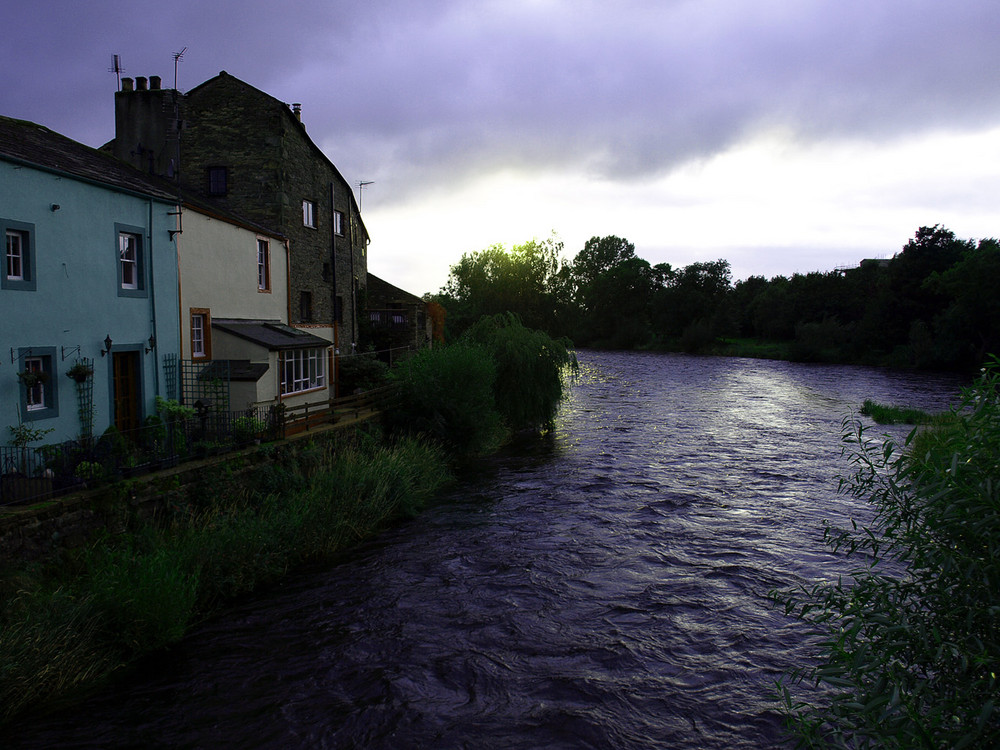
{"x": 152, "y": 344}
{"x": 107, "y": 346}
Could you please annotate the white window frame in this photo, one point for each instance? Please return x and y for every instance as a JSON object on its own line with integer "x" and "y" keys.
{"x": 263, "y": 265}
{"x": 128, "y": 257}
{"x": 197, "y": 335}
{"x": 303, "y": 370}
{"x": 14, "y": 268}
{"x": 308, "y": 214}
{"x": 34, "y": 397}
{"x": 338, "y": 223}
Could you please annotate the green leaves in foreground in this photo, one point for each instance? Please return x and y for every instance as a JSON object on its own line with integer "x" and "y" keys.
{"x": 911, "y": 653}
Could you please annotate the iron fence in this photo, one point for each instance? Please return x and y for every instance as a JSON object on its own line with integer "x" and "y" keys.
{"x": 34, "y": 473}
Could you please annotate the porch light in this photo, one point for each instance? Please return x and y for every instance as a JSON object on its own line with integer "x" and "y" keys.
{"x": 152, "y": 344}
{"x": 107, "y": 346}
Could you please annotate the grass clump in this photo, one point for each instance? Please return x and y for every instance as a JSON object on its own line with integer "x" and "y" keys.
{"x": 888, "y": 414}
{"x": 911, "y": 653}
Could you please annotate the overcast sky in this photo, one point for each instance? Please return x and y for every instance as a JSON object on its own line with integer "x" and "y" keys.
{"x": 782, "y": 135}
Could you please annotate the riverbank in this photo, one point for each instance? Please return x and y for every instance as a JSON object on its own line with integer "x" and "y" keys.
{"x": 73, "y": 619}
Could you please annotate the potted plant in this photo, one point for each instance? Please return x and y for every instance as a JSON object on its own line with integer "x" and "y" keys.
{"x": 31, "y": 378}
{"x": 80, "y": 372}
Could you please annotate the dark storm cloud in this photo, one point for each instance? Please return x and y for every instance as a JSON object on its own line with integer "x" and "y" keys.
{"x": 434, "y": 91}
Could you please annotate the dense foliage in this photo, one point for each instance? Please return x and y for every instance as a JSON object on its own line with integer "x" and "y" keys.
{"x": 912, "y": 640}
{"x": 932, "y": 305}
{"x": 500, "y": 376}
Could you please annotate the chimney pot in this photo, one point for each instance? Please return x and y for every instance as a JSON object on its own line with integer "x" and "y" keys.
{"x": 297, "y": 109}
{"x": 154, "y": 82}
{"x": 126, "y": 84}
{"x": 140, "y": 83}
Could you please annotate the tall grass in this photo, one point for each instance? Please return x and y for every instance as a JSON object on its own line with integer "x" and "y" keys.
{"x": 69, "y": 626}
{"x": 889, "y": 414}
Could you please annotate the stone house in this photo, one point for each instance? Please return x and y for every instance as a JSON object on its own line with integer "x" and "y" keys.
{"x": 250, "y": 154}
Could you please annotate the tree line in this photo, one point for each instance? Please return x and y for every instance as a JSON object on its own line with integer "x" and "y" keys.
{"x": 932, "y": 305}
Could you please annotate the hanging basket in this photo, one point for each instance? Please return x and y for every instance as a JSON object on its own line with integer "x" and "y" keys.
{"x": 80, "y": 372}
{"x": 31, "y": 378}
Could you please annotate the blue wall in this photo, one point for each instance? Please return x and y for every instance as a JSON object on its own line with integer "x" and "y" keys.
{"x": 74, "y": 298}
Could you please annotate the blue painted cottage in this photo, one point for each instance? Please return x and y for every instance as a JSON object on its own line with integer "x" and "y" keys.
{"x": 89, "y": 278}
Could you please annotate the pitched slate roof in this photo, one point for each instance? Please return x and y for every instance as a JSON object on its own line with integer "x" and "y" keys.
{"x": 35, "y": 145}
{"x": 234, "y": 369}
{"x": 271, "y": 334}
{"x": 382, "y": 290}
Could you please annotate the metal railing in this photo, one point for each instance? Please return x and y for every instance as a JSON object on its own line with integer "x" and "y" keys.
{"x": 29, "y": 474}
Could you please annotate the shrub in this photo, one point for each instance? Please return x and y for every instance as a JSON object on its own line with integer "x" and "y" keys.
{"x": 446, "y": 393}
{"x": 912, "y": 647}
{"x": 530, "y": 367}
{"x": 361, "y": 372}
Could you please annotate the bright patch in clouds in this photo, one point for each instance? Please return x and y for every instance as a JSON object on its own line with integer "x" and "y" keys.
{"x": 770, "y": 206}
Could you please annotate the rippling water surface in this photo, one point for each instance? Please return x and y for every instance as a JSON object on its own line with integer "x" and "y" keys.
{"x": 603, "y": 587}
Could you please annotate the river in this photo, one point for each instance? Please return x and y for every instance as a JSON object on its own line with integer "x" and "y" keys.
{"x": 604, "y": 586}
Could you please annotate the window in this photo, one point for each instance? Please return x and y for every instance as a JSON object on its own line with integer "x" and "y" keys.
{"x": 303, "y": 370}
{"x": 263, "y": 266}
{"x": 305, "y": 307}
{"x": 38, "y": 385}
{"x": 201, "y": 333}
{"x": 34, "y": 393}
{"x": 15, "y": 255}
{"x": 218, "y": 180}
{"x": 338, "y": 223}
{"x": 131, "y": 262}
{"x": 128, "y": 252}
{"x": 19, "y": 257}
{"x": 309, "y": 214}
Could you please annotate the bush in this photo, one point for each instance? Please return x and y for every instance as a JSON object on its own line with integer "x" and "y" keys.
{"x": 446, "y": 393}
{"x": 530, "y": 367}
{"x": 361, "y": 372}
{"x": 912, "y": 647}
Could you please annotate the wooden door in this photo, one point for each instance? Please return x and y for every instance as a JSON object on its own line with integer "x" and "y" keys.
{"x": 128, "y": 407}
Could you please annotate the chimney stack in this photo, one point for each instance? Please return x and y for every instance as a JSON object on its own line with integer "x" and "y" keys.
{"x": 126, "y": 84}
{"x": 154, "y": 83}
{"x": 297, "y": 110}
{"x": 140, "y": 83}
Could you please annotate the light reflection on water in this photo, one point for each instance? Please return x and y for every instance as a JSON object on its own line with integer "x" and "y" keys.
{"x": 604, "y": 586}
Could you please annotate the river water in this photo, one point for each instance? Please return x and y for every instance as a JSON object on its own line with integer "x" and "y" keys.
{"x": 604, "y": 586}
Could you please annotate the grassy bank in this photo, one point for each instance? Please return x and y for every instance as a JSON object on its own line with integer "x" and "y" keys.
{"x": 69, "y": 623}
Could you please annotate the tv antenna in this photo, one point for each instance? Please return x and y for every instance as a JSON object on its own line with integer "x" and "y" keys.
{"x": 362, "y": 184}
{"x": 177, "y": 59}
{"x": 117, "y": 69}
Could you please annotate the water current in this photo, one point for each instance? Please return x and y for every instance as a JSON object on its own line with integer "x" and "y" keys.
{"x": 604, "y": 586}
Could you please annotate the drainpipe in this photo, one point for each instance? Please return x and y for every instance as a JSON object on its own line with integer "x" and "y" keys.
{"x": 152, "y": 301}
{"x": 333, "y": 272}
